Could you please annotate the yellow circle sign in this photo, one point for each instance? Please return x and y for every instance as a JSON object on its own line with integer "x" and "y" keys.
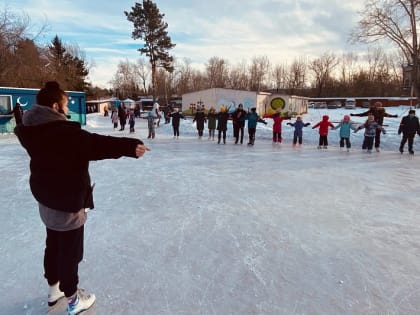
{"x": 277, "y": 103}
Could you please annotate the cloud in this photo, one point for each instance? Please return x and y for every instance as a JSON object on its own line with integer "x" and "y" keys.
{"x": 234, "y": 30}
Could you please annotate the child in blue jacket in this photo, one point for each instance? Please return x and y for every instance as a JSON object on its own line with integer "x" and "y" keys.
{"x": 298, "y": 124}
{"x": 253, "y": 118}
{"x": 346, "y": 125}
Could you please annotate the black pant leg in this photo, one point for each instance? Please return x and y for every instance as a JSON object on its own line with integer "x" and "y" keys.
{"x": 64, "y": 257}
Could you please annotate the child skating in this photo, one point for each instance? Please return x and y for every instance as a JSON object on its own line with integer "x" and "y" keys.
{"x": 323, "y": 131}
{"x": 345, "y": 125}
{"x": 253, "y": 118}
{"x": 277, "y": 121}
{"x": 370, "y": 127}
{"x": 298, "y": 133}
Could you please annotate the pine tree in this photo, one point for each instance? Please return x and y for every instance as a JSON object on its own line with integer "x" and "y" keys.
{"x": 150, "y": 27}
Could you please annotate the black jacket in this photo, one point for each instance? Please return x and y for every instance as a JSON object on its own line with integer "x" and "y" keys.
{"x": 60, "y": 152}
{"x": 176, "y": 116}
{"x": 222, "y": 119}
{"x": 200, "y": 118}
{"x": 409, "y": 125}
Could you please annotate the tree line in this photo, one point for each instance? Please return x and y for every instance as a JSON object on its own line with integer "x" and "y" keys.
{"x": 329, "y": 75}
{"x": 24, "y": 63}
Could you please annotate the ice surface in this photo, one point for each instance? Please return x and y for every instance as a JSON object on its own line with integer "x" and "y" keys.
{"x": 195, "y": 227}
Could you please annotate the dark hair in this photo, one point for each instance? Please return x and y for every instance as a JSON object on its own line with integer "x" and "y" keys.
{"x": 51, "y": 93}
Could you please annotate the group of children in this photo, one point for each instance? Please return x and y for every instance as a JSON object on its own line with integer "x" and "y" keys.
{"x": 409, "y": 126}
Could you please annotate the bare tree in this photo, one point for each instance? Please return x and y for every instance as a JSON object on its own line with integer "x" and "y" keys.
{"x": 217, "y": 72}
{"x": 297, "y": 75}
{"x": 124, "y": 82}
{"x": 183, "y": 79}
{"x": 394, "y": 21}
{"x": 322, "y": 68}
{"x": 238, "y": 77}
{"x": 279, "y": 75}
{"x": 142, "y": 71}
{"x": 259, "y": 70}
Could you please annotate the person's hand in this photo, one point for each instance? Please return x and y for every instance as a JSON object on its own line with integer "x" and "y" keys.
{"x": 399, "y": 131}
{"x": 395, "y": 116}
{"x": 141, "y": 150}
{"x": 351, "y": 114}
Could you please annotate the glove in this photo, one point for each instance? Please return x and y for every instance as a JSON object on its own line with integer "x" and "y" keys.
{"x": 351, "y": 114}
{"x": 289, "y": 124}
{"x": 395, "y": 116}
{"x": 399, "y": 131}
{"x": 265, "y": 123}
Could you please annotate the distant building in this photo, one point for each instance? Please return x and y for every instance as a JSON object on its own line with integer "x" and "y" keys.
{"x": 266, "y": 103}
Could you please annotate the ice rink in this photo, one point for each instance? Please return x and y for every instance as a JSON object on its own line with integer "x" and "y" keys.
{"x": 195, "y": 227}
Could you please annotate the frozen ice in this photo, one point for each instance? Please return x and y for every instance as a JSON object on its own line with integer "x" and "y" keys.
{"x": 195, "y": 227}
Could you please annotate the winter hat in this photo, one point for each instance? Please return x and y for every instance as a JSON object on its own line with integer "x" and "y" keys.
{"x": 346, "y": 118}
{"x": 325, "y": 117}
{"x": 223, "y": 108}
{"x": 412, "y": 111}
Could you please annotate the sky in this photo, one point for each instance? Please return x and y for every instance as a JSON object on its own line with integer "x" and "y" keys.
{"x": 236, "y": 30}
{"x": 194, "y": 227}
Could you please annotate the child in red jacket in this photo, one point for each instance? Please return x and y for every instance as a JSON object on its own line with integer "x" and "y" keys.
{"x": 278, "y": 119}
{"x": 323, "y": 131}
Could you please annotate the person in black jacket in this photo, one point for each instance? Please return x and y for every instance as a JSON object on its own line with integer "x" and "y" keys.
{"x": 17, "y": 113}
{"x": 60, "y": 152}
{"x": 222, "y": 119}
{"x": 200, "y": 119}
{"x": 238, "y": 122}
{"x": 176, "y": 117}
{"x": 122, "y": 115}
{"x": 378, "y": 113}
{"x": 409, "y": 126}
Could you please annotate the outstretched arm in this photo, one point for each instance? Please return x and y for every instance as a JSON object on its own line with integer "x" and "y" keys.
{"x": 361, "y": 114}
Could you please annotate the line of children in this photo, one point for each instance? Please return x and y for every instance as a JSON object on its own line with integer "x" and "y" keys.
{"x": 409, "y": 126}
